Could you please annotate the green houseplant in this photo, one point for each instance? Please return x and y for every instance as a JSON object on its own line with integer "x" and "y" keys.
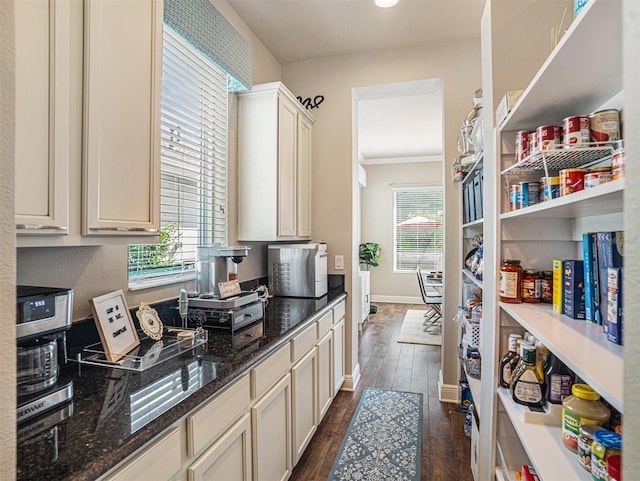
{"x": 370, "y": 254}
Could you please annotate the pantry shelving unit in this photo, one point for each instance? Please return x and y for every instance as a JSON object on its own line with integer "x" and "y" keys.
{"x": 568, "y": 82}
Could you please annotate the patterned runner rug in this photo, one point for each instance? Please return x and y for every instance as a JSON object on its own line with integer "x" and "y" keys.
{"x": 384, "y": 439}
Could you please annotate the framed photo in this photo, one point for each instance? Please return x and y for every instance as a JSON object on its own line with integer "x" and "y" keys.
{"x": 115, "y": 326}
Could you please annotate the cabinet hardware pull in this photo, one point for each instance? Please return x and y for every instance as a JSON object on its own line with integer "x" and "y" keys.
{"x": 125, "y": 229}
{"x": 39, "y": 227}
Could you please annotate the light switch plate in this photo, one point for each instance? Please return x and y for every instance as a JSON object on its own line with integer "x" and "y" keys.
{"x": 338, "y": 262}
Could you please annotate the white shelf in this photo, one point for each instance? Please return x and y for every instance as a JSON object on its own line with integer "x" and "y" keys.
{"x": 564, "y": 157}
{"x": 582, "y": 346}
{"x": 543, "y": 445}
{"x": 472, "y": 278}
{"x": 600, "y": 200}
{"x": 477, "y": 164}
{"x": 544, "y": 101}
{"x": 477, "y": 222}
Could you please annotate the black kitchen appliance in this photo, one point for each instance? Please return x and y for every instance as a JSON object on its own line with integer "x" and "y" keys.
{"x": 43, "y": 316}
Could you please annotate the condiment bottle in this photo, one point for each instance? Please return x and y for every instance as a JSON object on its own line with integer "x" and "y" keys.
{"x": 511, "y": 281}
{"x": 507, "y": 361}
{"x": 585, "y": 440}
{"x": 605, "y": 444}
{"x": 531, "y": 286}
{"x": 559, "y": 379}
{"x": 527, "y": 385}
{"x": 546, "y": 287}
{"x": 582, "y": 407}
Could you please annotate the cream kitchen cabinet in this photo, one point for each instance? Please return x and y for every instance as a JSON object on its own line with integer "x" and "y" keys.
{"x": 87, "y": 121}
{"x": 338, "y": 357}
{"x": 274, "y": 165}
{"x": 271, "y": 430}
{"x": 304, "y": 389}
{"x": 365, "y": 297}
{"x": 43, "y": 104}
{"x": 121, "y": 141}
{"x": 228, "y": 458}
{"x": 324, "y": 350}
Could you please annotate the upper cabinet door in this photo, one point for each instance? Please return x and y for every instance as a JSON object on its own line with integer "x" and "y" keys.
{"x": 287, "y": 131}
{"x": 304, "y": 177}
{"x": 42, "y": 143}
{"x": 121, "y": 148}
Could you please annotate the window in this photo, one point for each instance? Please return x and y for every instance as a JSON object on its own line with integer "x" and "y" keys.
{"x": 193, "y": 156}
{"x": 418, "y": 229}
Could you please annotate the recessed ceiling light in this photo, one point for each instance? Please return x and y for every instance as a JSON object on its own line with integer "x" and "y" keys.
{"x": 385, "y": 3}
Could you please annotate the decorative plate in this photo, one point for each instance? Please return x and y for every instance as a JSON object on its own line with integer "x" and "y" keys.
{"x": 150, "y": 321}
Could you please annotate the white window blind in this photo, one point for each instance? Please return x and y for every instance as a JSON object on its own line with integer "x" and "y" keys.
{"x": 418, "y": 228}
{"x": 193, "y": 189}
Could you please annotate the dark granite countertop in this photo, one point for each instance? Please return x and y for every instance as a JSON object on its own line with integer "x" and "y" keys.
{"x": 115, "y": 412}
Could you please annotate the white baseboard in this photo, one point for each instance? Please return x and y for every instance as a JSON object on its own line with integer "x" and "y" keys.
{"x": 397, "y": 299}
{"x": 351, "y": 380}
{"x": 448, "y": 393}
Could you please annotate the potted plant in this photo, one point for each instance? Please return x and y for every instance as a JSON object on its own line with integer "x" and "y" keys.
{"x": 370, "y": 254}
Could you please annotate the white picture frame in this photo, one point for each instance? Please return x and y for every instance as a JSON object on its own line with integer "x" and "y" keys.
{"x": 115, "y": 326}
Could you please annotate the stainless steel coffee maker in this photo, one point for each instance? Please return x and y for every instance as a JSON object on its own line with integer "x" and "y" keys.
{"x": 43, "y": 315}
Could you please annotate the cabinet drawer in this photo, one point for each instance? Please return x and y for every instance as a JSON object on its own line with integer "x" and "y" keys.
{"x": 160, "y": 462}
{"x": 267, "y": 373}
{"x": 303, "y": 342}
{"x": 211, "y": 420}
{"x": 324, "y": 324}
{"x": 338, "y": 312}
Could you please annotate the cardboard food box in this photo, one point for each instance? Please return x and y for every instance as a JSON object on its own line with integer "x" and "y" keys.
{"x": 573, "y": 297}
{"x": 506, "y": 105}
{"x": 614, "y": 320}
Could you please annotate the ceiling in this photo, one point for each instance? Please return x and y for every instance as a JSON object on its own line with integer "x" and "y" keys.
{"x": 394, "y": 117}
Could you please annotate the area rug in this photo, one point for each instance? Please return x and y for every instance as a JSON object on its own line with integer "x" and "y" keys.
{"x": 384, "y": 439}
{"x": 412, "y": 330}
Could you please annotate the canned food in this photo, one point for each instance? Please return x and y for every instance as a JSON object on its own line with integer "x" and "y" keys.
{"x": 522, "y": 145}
{"x": 548, "y": 136}
{"x": 513, "y": 196}
{"x": 605, "y": 444}
{"x": 617, "y": 163}
{"x": 604, "y": 126}
{"x": 571, "y": 180}
{"x": 550, "y": 189}
{"x": 533, "y": 143}
{"x": 576, "y": 131}
{"x": 593, "y": 179}
{"x": 528, "y": 194}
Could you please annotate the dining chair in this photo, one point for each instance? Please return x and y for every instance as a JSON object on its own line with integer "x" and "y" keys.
{"x": 433, "y": 317}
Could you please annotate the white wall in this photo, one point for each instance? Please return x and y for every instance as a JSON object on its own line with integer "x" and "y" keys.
{"x": 7, "y": 247}
{"x": 335, "y": 173}
{"x": 377, "y": 223}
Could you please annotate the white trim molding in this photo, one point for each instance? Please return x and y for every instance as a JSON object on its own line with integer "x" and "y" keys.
{"x": 448, "y": 393}
{"x": 351, "y": 380}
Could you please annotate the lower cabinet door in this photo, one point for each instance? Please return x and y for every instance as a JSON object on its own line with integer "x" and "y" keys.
{"x": 325, "y": 375}
{"x": 304, "y": 379}
{"x": 338, "y": 356}
{"x": 228, "y": 458}
{"x": 271, "y": 423}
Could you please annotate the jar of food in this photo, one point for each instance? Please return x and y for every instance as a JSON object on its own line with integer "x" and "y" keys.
{"x": 546, "y": 287}
{"x": 585, "y": 440}
{"x": 473, "y": 365}
{"x": 530, "y": 286}
{"x": 605, "y": 444}
{"x": 511, "y": 281}
{"x": 582, "y": 407}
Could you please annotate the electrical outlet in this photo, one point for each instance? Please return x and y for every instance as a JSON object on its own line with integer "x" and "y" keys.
{"x": 338, "y": 262}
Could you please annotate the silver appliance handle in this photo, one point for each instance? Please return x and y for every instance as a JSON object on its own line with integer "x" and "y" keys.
{"x": 39, "y": 227}
{"x": 125, "y": 229}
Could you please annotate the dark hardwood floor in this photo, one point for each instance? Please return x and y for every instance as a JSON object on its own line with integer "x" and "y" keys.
{"x": 387, "y": 364}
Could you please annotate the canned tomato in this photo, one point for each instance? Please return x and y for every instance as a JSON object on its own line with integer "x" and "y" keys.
{"x": 617, "y": 162}
{"x": 576, "y": 131}
{"x": 604, "y": 125}
{"x": 571, "y": 180}
{"x": 533, "y": 143}
{"x": 548, "y": 136}
{"x": 549, "y": 189}
{"x": 522, "y": 145}
{"x": 528, "y": 194}
{"x": 592, "y": 179}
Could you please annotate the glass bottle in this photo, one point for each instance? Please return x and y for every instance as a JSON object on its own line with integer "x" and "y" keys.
{"x": 546, "y": 287}
{"x": 559, "y": 380}
{"x": 531, "y": 286}
{"x": 506, "y": 363}
{"x": 511, "y": 281}
{"x": 527, "y": 386}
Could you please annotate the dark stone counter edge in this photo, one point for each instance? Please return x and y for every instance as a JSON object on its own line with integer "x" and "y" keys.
{"x": 138, "y": 440}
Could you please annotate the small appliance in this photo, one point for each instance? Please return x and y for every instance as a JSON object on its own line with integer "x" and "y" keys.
{"x": 298, "y": 270}
{"x": 207, "y": 305}
{"x": 43, "y": 315}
